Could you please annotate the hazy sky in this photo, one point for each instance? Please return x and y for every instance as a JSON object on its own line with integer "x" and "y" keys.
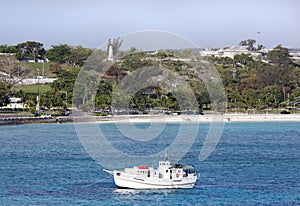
{"x": 209, "y": 23}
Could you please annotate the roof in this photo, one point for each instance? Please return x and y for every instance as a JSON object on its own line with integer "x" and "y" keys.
{"x": 239, "y": 48}
{"x": 188, "y": 167}
{"x": 143, "y": 167}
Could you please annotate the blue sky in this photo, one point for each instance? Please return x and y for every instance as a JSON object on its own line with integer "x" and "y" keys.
{"x": 209, "y": 23}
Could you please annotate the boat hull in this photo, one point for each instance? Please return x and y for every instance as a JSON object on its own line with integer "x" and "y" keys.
{"x": 151, "y": 183}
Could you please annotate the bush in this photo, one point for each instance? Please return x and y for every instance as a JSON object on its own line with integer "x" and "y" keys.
{"x": 101, "y": 114}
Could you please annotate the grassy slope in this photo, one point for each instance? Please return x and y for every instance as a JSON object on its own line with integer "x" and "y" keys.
{"x": 39, "y": 67}
{"x": 34, "y": 88}
{"x": 38, "y": 70}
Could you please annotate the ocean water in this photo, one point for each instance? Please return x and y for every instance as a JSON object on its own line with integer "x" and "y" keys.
{"x": 253, "y": 164}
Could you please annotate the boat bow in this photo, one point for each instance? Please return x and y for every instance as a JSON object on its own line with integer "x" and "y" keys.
{"x": 108, "y": 171}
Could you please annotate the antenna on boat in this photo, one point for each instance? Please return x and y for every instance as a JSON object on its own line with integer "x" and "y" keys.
{"x": 166, "y": 156}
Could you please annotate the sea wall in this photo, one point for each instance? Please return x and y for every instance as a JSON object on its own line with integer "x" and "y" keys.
{"x": 33, "y": 120}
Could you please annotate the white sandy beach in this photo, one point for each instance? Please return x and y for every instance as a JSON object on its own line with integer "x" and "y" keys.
{"x": 200, "y": 118}
{"x": 262, "y": 117}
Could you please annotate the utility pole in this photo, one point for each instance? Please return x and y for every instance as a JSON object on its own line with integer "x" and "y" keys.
{"x": 38, "y": 97}
{"x": 258, "y": 33}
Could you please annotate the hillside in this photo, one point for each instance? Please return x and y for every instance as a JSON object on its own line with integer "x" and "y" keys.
{"x": 264, "y": 83}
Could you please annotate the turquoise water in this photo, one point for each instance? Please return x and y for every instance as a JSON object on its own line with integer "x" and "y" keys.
{"x": 254, "y": 163}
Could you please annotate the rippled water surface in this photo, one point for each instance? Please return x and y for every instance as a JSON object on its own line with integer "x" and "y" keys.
{"x": 254, "y": 163}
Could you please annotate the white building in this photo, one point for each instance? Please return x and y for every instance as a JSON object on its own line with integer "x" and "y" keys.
{"x": 226, "y": 52}
{"x": 15, "y": 103}
{"x": 7, "y": 54}
{"x": 35, "y": 60}
{"x": 295, "y": 54}
{"x": 231, "y": 52}
{"x": 38, "y": 80}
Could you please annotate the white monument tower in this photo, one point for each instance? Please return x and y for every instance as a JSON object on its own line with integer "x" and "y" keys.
{"x": 110, "y": 57}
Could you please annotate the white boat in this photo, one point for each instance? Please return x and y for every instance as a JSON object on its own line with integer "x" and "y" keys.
{"x": 166, "y": 176}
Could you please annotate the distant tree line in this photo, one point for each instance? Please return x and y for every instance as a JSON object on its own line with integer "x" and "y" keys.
{"x": 260, "y": 83}
{"x": 250, "y": 82}
{"x": 61, "y": 53}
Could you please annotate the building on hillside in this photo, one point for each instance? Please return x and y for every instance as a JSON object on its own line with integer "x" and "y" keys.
{"x": 38, "y": 80}
{"x": 294, "y": 53}
{"x": 7, "y": 54}
{"x": 226, "y": 52}
{"x": 179, "y": 59}
{"x": 15, "y": 103}
{"x": 232, "y": 51}
{"x": 40, "y": 60}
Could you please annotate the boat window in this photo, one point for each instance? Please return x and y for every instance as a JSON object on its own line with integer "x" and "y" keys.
{"x": 118, "y": 174}
{"x": 189, "y": 171}
{"x": 166, "y": 171}
{"x": 160, "y": 175}
{"x": 179, "y": 171}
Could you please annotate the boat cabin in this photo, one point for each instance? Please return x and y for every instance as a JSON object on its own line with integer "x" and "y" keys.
{"x": 165, "y": 171}
{"x": 176, "y": 172}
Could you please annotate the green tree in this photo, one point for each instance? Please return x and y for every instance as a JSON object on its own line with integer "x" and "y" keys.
{"x": 226, "y": 61}
{"x": 132, "y": 50}
{"x": 243, "y": 59}
{"x": 233, "y": 95}
{"x": 59, "y": 53}
{"x": 271, "y": 75}
{"x": 8, "y": 49}
{"x": 30, "y": 49}
{"x": 133, "y": 61}
{"x": 273, "y": 95}
{"x": 249, "y": 42}
{"x": 283, "y": 66}
{"x": 162, "y": 54}
{"x": 260, "y": 47}
{"x": 250, "y": 98}
{"x": 62, "y": 89}
{"x": 104, "y": 95}
{"x": 295, "y": 94}
{"x": 280, "y": 56}
{"x": 78, "y": 55}
{"x": 12, "y": 71}
{"x": 4, "y": 92}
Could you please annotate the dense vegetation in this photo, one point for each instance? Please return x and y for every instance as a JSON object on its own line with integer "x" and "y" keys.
{"x": 259, "y": 83}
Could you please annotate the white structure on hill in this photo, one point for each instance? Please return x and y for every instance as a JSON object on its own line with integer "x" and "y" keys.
{"x": 231, "y": 52}
{"x": 15, "y": 103}
{"x": 38, "y": 80}
{"x": 295, "y": 54}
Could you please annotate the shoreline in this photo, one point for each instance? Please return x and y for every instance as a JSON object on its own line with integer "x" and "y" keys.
{"x": 153, "y": 118}
{"x": 263, "y": 117}
{"x": 206, "y": 118}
